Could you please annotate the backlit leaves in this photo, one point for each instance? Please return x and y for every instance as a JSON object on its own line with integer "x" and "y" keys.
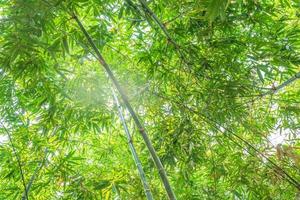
{"x": 55, "y": 98}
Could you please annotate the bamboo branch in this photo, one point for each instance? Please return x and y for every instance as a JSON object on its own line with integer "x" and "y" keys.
{"x": 35, "y": 174}
{"x": 139, "y": 125}
{"x": 285, "y": 174}
{"x": 18, "y": 160}
{"x": 32, "y": 178}
{"x": 216, "y": 125}
{"x": 272, "y": 90}
{"x": 176, "y": 17}
{"x": 281, "y": 86}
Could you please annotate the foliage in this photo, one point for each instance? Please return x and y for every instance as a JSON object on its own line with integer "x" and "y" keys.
{"x": 205, "y": 78}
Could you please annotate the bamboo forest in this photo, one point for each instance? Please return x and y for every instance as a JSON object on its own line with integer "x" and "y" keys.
{"x": 149, "y": 100}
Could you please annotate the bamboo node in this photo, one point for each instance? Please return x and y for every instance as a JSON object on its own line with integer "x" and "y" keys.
{"x": 274, "y": 87}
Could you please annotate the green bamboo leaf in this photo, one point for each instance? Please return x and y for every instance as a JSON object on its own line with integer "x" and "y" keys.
{"x": 102, "y": 184}
{"x": 65, "y": 44}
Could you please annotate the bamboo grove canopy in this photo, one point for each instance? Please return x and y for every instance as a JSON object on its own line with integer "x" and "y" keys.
{"x": 212, "y": 86}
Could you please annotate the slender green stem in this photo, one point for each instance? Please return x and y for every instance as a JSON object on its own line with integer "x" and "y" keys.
{"x": 281, "y": 86}
{"x": 273, "y": 90}
{"x": 132, "y": 148}
{"x": 285, "y": 175}
{"x": 139, "y": 125}
{"x": 160, "y": 24}
{"x": 35, "y": 174}
{"x": 18, "y": 160}
{"x": 164, "y": 29}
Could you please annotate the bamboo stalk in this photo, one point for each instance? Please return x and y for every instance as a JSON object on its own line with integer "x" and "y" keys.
{"x": 18, "y": 161}
{"x": 163, "y": 28}
{"x": 132, "y": 149}
{"x": 160, "y": 24}
{"x": 139, "y": 125}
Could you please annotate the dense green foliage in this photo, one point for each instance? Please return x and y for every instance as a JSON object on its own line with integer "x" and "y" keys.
{"x": 215, "y": 82}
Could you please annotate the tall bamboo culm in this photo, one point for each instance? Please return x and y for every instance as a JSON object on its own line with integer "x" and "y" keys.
{"x": 132, "y": 148}
{"x": 139, "y": 125}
